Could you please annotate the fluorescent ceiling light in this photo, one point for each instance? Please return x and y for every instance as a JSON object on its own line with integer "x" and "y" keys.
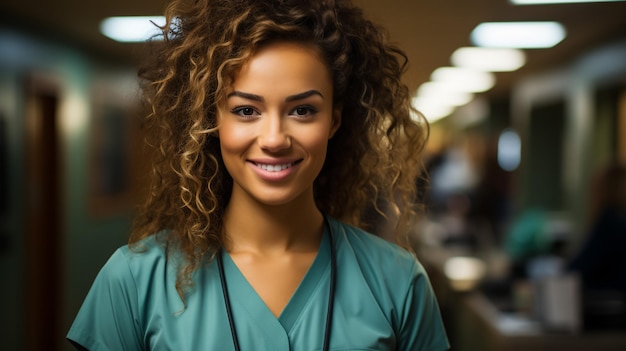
{"x": 522, "y": 35}
{"x": 489, "y": 59}
{"x": 432, "y": 110}
{"x": 132, "y": 28}
{"x": 539, "y": 2}
{"x": 465, "y": 79}
{"x": 444, "y": 93}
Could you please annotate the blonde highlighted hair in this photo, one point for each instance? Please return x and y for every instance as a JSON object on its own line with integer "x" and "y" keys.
{"x": 375, "y": 154}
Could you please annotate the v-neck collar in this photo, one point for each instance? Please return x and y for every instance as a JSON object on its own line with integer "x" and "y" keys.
{"x": 244, "y": 295}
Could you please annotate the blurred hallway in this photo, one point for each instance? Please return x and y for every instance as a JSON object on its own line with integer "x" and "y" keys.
{"x": 509, "y": 204}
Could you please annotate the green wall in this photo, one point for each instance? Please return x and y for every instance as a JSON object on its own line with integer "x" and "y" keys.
{"x": 88, "y": 240}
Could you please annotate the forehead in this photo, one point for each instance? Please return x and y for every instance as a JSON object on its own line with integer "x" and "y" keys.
{"x": 284, "y": 66}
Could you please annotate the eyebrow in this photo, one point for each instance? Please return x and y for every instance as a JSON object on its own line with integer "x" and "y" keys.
{"x": 289, "y": 98}
{"x": 303, "y": 95}
{"x": 247, "y": 96}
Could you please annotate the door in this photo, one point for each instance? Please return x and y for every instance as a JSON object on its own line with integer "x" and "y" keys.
{"x": 42, "y": 237}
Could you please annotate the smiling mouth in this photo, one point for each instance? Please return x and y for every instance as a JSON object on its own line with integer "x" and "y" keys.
{"x": 276, "y": 167}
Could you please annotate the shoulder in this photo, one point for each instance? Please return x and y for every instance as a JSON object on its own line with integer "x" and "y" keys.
{"x": 367, "y": 243}
{"x": 112, "y": 314}
{"x": 150, "y": 259}
{"x": 376, "y": 258}
{"x": 138, "y": 264}
{"x": 397, "y": 282}
{"x": 145, "y": 270}
{"x": 143, "y": 252}
{"x": 147, "y": 251}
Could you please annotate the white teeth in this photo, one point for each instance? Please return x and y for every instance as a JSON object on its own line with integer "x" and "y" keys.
{"x": 274, "y": 168}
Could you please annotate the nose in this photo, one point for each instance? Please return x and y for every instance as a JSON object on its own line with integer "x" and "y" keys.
{"x": 273, "y": 136}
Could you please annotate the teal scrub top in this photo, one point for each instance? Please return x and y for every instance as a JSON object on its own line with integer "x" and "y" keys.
{"x": 383, "y": 301}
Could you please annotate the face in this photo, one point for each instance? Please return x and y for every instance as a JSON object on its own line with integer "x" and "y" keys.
{"x": 275, "y": 124}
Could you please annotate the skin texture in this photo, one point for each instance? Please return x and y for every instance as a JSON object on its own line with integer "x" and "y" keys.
{"x": 278, "y": 114}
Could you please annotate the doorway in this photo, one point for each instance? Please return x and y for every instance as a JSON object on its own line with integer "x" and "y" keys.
{"x": 42, "y": 237}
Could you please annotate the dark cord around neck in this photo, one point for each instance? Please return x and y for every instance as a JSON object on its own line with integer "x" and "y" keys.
{"x": 331, "y": 296}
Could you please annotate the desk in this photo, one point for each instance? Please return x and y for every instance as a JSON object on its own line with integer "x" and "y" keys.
{"x": 479, "y": 326}
{"x": 474, "y": 323}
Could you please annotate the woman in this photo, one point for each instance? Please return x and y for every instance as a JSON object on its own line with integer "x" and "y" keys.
{"x": 276, "y": 125}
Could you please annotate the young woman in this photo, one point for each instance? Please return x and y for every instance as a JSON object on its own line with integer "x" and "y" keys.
{"x": 277, "y": 125}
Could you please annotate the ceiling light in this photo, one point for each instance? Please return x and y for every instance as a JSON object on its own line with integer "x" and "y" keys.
{"x": 489, "y": 59}
{"x": 522, "y": 35}
{"x": 541, "y": 2}
{"x": 132, "y": 28}
{"x": 431, "y": 109}
{"x": 445, "y": 93}
{"x": 465, "y": 79}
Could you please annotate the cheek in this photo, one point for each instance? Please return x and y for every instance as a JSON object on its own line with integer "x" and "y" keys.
{"x": 316, "y": 142}
{"x": 232, "y": 138}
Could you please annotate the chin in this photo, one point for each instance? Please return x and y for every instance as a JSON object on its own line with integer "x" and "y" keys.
{"x": 280, "y": 199}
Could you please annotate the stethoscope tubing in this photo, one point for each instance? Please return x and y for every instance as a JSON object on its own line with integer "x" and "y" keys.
{"x": 331, "y": 297}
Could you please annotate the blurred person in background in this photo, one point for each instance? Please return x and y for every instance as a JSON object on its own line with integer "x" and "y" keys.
{"x": 601, "y": 260}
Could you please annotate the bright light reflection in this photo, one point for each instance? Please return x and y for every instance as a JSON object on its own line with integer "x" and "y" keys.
{"x": 132, "y": 28}
{"x": 522, "y": 35}
{"x": 432, "y": 110}
{"x": 465, "y": 79}
{"x": 74, "y": 109}
{"x": 509, "y": 150}
{"x": 489, "y": 59}
{"x": 464, "y": 273}
{"x": 444, "y": 93}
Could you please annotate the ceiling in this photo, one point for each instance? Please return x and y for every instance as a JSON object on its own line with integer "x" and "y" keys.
{"x": 428, "y": 30}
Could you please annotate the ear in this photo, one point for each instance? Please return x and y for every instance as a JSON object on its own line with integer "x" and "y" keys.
{"x": 336, "y": 122}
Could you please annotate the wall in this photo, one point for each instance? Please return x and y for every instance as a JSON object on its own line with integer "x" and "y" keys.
{"x": 584, "y": 145}
{"x": 88, "y": 237}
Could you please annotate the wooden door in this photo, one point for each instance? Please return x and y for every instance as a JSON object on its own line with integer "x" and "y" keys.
{"x": 42, "y": 239}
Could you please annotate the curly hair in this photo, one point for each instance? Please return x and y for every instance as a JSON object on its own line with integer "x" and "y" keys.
{"x": 375, "y": 155}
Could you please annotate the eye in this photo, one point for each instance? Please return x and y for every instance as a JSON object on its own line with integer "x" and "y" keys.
{"x": 303, "y": 111}
{"x": 244, "y": 111}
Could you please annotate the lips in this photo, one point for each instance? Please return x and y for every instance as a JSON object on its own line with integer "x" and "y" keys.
{"x": 273, "y": 170}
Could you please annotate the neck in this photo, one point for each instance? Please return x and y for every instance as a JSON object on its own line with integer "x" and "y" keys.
{"x": 254, "y": 227}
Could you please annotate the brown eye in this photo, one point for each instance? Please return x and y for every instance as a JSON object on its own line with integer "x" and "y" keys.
{"x": 244, "y": 111}
{"x": 303, "y": 111}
